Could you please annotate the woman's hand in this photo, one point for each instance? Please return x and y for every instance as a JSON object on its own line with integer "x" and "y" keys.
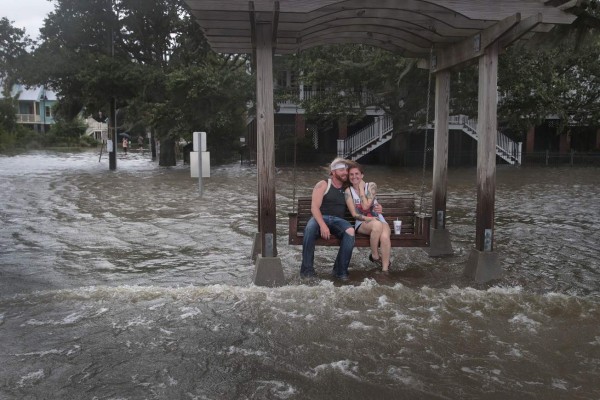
{"x": 377, "y": 208}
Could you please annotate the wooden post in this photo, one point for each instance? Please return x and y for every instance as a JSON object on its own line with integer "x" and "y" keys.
{"x": 300, "y": 126}
{"x": 440, "y": 150}
{"x": 483, "y": 264}
{"x": 265, "y": 159}
{"x": 487, "y": 127}
{"x": 530, "y": 140}
{"x": 342, "y": 128}
{"x": 440, "y": 244}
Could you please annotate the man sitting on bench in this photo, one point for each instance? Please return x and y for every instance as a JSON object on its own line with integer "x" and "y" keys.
{"x": 328, "y": 206}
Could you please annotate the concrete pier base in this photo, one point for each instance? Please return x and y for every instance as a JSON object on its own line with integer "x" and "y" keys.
{"x": 268, "y": 271}
{"x": 256, "y": 246}
{"x": 483, "y": 266}
{"x": 439, "y": 243}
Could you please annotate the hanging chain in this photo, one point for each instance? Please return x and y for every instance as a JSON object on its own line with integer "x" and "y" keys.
{"x": 425, "y": 149}
{"x": 294, "y": 170}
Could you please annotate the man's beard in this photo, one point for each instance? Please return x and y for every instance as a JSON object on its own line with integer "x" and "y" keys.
{"x": 341, "y": 178}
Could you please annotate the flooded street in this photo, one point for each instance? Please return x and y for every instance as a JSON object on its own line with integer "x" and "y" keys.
{"x": 127, "y": 285}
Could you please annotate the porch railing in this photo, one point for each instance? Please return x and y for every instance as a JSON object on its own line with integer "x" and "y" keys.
{"x": 28, "y": 119}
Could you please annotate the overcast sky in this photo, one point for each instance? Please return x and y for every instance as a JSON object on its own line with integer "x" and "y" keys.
{"x": 26, "y": 14}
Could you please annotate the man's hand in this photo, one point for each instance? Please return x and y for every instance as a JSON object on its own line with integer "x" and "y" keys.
{"x": 325, "y": 233}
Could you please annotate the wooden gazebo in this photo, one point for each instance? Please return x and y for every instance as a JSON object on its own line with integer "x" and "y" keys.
{"x": 446, "y": 34}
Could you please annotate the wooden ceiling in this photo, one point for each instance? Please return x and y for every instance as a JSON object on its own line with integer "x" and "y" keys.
{"x": 409, "y": 27}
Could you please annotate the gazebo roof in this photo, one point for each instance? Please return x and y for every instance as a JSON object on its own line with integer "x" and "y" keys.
{"x": 409, "y": 27}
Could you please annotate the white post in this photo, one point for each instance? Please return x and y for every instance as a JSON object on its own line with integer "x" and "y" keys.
{"x": 199, "y": 139}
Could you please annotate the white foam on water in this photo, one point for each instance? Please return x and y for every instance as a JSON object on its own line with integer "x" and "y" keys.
{"x": 359, "y": 326}
{"x": 137, "y": 321}
{"x": 68, "y": 320}
{"x": 189, "y": 312}
{"x": 166, "y": 332}
{"x": 280, "y": 390}
{"x": 402, "y": 375}
{"x": 559, "y": 384}
{"x": 31, "y": 378}
{"x": 515, "y": 352}
{"x": 40, "y": 353}
{"x": 244, "y": 352}
{"x": 523, "y": 321}
{"x": 346, "y": 367}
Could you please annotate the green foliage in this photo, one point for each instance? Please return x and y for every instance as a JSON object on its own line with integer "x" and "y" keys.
{"x": 68, "y": 128}
{"x": 560, "y": 78}
{"x": 204, "y": 98}
{"x": 350, "y": 78}
{"x": 13, "y": 49}
{"x": 8, "y": 115}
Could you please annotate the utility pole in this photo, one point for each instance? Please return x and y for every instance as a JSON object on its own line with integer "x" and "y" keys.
{"x": 112, "y": 112}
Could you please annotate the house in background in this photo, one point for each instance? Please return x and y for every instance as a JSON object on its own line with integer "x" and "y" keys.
{"x": 371, "y": 139}
{"x": 34, "y": 106}
{"x": 95, "y": 129}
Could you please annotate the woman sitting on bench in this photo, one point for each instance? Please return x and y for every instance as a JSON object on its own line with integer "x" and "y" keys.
{"x": 360, "y": 199}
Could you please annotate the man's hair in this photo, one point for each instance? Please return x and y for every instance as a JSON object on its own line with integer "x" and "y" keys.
{"x": 336, "y": 163}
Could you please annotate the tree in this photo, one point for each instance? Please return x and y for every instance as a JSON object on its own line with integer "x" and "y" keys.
{"x": 141, "y": 52}
{"x": 556, "y": 77}
{"x": 13, "y": 48}
{"x": 345, "y": 73}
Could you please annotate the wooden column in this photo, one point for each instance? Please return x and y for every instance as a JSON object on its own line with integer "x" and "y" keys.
{"x": 265, "y": 157}
{"x": 530, "y": 140}
{"x": 440, "y": 150}
{"x": 564, "y": 144}
{"x": 300, "y": 126}
{"x": 486, "y": 151}
{"x": 439, "y": 240}
{"x": 483, "y": 264}
{"x": 342, "y": 128}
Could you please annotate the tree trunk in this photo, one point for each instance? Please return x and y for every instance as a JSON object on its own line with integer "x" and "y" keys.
{"x": 167, "y": 156}
{"x": 398, "y": 145}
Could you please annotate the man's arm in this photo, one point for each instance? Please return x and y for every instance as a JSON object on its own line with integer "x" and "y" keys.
{"x": 315, "y": 207}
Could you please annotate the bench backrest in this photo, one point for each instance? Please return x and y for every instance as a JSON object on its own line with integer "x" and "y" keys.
{"x": 394, "y": 206}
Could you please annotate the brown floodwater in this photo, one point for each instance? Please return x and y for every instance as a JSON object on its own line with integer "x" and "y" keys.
{"x": 127, "y": 285}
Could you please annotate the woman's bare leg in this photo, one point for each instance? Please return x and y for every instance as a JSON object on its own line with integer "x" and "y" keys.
{"x": 374, "y": 230}
{"x": 386, "y": 246}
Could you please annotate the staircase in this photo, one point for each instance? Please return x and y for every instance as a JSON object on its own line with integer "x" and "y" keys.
{"x": 506, "y": 148}
{"x": 381, "y": 130}
{"x": 367, "y": 139}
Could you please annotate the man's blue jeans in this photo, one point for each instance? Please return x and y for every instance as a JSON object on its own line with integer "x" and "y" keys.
{"x": 337, "y": 226}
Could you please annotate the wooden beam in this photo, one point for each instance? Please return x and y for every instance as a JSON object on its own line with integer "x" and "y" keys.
{"x": 265, "y": 157}
{"x": 523, "y": 27}
{"x": 275, "y": 24}
{"x": 252, "y": 17}
{"x": 487, "y": 127}
{"x": 474, "y": 46}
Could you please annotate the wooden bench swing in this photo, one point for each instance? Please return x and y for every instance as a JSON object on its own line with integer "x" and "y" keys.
{"x": 415, "y": 226}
